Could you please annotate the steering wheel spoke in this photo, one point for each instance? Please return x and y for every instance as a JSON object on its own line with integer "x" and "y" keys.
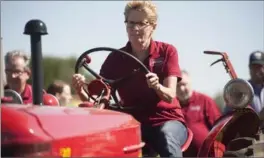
{"x": 99, "y": 97}
{"x": 85, "y": 65}
{"x": 89, "y": 95}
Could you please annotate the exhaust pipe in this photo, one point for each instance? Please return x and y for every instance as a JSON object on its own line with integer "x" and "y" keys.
{"x": 36, "y": 28}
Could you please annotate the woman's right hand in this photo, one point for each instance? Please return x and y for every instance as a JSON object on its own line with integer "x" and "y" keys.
{"x": 78, "y": 81}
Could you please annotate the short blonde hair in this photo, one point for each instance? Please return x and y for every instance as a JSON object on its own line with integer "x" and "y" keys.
{"x": 16, "y": 53}
{"x": 146, "y": 6}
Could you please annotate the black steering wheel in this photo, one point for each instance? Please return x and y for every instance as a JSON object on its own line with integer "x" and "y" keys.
{"x": 84, "y": 60}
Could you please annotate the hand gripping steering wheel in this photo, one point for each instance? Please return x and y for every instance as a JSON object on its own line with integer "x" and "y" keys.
{"x": 103, "y": 87}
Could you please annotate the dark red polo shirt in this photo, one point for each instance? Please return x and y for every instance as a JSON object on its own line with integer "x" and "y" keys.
{"x": 148, "y": 107}
{"x": 200, "y": 114}
{"x": 26, "y": 95}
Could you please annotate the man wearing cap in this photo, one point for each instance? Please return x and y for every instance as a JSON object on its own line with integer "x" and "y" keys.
{"x": 256, "y": 67}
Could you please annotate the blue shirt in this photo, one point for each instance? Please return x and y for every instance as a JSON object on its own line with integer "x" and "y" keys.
{"x": 258, "y": 100}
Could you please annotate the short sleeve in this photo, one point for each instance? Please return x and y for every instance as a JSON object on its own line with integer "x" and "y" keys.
{"x": 172, "y": 67}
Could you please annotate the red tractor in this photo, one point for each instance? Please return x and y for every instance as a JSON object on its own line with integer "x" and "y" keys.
{"x": 40, "y": 130}
{"x": 237, "y": 133}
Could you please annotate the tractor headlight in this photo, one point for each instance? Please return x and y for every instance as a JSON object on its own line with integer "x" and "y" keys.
{"x": 238, "y": 93}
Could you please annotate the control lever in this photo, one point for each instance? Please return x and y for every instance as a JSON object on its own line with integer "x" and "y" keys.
{"x": 226, "y": 62}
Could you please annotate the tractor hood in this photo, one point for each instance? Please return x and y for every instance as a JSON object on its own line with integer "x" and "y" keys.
{"x": 24, "y": 124}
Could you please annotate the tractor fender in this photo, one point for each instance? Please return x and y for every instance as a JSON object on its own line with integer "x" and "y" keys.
{"x": 238, "y": 123}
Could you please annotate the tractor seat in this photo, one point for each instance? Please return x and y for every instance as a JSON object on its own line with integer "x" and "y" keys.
{"x": 188, "y": 141}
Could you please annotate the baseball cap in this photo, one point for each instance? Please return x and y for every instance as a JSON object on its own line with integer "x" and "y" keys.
{"x": 256, "y": 57}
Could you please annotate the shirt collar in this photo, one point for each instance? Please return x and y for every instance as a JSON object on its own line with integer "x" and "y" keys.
{"x": 191, "y": 99}
{"x": 27, "y": 93}
{"x": 152, "y": 51}
{"x": 193, "y": 96}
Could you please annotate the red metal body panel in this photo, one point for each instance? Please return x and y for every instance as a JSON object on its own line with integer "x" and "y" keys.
{"x": 20, "y": 125}
{"x": 76, "y": 131}
{"x": 212, "y": 136}
{"x": 242, "y": 123}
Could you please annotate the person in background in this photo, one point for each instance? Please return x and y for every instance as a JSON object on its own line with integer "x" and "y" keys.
{"x": 61, "y": 90}
{"x": 256, "y": 69}
{"x": 18, "y": 73}
{"x": 154, "y": 104}
{"x": 200, "y": 112}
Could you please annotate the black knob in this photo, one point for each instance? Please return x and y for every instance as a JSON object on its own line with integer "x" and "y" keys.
{"x": 35, "y": 27}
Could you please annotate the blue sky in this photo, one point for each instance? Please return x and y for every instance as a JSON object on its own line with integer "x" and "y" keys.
{"x": 236, "y": 27}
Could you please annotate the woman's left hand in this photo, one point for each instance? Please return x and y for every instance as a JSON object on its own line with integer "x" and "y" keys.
{"x": 153, "y": 81}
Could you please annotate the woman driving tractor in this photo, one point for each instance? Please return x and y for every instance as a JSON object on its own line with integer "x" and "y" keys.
{"x": 150, "y": 98}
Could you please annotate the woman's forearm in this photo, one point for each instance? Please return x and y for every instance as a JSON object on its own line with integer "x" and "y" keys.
{"x": 83, "y": 96}
{"x": 165, "y": 93}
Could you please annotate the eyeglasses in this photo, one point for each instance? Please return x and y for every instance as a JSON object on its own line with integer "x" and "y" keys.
{"x": 14, "y": 72}
{"x": 140, "y": 25}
